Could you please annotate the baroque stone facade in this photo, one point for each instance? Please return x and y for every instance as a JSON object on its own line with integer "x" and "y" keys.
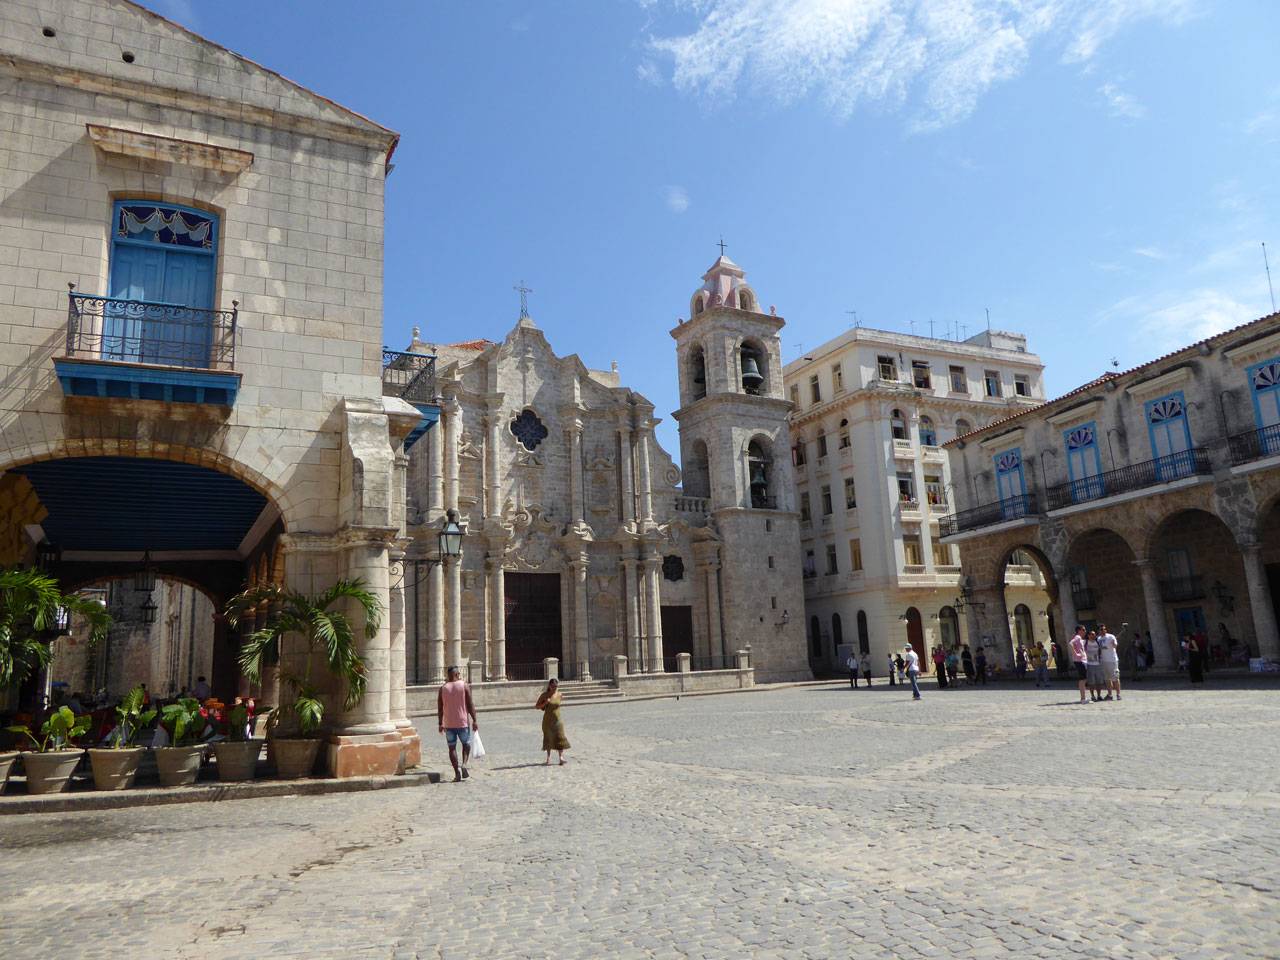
{"x": 1147, "y": 498}
{"x": 581, "y": 544}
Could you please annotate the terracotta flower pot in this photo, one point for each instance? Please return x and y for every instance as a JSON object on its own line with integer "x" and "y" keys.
{"x": 178, "y": 766}
{"x": 6, "y": 764}
{"x": 294, "y": 758}
{"x": 50, "y": 772}
{"x": 237, "y": 760}
{"x": 115, "y": 769}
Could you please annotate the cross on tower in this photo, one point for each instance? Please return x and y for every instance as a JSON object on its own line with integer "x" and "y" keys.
{"x": 524, "y": 300}
{"x": 721, "y": 244}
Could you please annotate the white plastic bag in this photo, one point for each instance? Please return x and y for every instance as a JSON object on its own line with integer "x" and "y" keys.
{"x": 477, "y": 748}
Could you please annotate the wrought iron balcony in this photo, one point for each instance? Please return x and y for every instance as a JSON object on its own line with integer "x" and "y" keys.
{"x": 1181, "y": 589}
{"x": 1254, "y": 445}
{"x": 138, "y": 331}
{"x": 1136, "y": 476}
{"x": 1013, "y": 508}
{"x": 1083, "y": 598}
{"x": 410, "y": 376}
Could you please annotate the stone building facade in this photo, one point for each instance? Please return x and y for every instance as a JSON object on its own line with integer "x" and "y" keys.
{"x": 581, "y": 544}
{"x": 190, "y": 292}
{"x": 872, "y": 410}
{"x": 1147, "y": 498}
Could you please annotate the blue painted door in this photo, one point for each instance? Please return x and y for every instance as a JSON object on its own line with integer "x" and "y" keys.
{"x": 1083, "y": 463}
{"x": 1170, "y": 437}
{"x": 1264, "y": 380}
{"x": 1010, "y": 487}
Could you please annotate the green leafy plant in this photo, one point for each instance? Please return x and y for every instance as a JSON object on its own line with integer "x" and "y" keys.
{"x": 322, "y": 628}
{"x": 29, "y": 604}
{"x": 130, "y": 718}
{"x": 58, "y": 731}
{"x": 184, "y": 720}
{"x": 237, "y": 722}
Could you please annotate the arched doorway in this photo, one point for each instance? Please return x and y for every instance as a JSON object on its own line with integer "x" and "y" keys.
{"x": 864, "y": 639}
{"x": 915, "y": 634}
{"x": 815, "y": 638}
{"x": 948, "y": 627}
{"x": 1030, "y": 586}
{"x": 837, "y": 634}
{"x": 109, "y": 516}
{"x": 1202, "y": 585}
{"x": 1023, "y": 635}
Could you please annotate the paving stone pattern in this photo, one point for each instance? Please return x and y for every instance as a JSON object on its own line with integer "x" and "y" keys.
{"x": 809, "y": 822}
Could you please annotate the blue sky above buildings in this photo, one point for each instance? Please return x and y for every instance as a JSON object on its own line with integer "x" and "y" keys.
{"x": 1100, "y": 174}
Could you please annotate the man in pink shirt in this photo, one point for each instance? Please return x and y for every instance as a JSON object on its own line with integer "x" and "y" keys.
{"x": 1079, "y": 659}
{"x": 457, "y": 718}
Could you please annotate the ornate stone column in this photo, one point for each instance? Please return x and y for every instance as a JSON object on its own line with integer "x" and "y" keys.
{"x": 653, "y": 580}
{"x": 1159, "y": 627}
{"x": 451, "y": 413}
{"x": 365, "y": 557}
{"x": 631, "y": 590}
{"x": 435, "y": 614}
{"x": 580, "y": 629}
{"x": 435, "y": 470}
{"x": 497, "y": 618}
{"x": 453, "y": 617}
{"x": 646, "y": 491}
{"x": 492, "y": 447}
{"x": 399, "y": 666}
{"x": 715, "y": 637}
{"x": 628, "y": 491}
{"x": 575, "y": 469}
{"x": 1264, "y": 615}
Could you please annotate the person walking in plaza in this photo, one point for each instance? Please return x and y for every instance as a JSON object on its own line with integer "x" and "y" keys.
{"x": 891, "y": 671}
{"x": 1195, "y": 660}
{"x": 1040, "y": 663}
{"x": 966, "y": 662}
{"x": 456, "y": 717}
{"x": 912, "y": 664}
{"x": 902, "y": 668}
{"x": 1109, "y": 661}
{"x": 980, "y": 665}
{"x": 852, "y": 665}
{"x": 940, "y": 667}
{"x": 553, "y": 737}
{"x": 866, "y": 668}
{"x": 1079, "y": 659}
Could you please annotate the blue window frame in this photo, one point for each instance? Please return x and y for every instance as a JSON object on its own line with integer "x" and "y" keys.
{"x": 165, "y": 255}
{"x": 1170, "y": 436}
{"x": 1084, "y": 465}
{"x": 1264, "y": 387}
{"x": 1009, "y": 484}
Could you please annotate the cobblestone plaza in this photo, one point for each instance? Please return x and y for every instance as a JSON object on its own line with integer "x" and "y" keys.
{"x": 804, "y": 822}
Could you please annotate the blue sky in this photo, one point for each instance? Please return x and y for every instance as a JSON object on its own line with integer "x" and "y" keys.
{"x": 1100, "y": 174}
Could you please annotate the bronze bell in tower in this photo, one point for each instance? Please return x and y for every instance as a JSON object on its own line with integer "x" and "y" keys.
{"x": 751, "y": 376}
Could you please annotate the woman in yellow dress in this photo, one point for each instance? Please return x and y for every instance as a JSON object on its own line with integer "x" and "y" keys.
{"x": 553, "y": 737}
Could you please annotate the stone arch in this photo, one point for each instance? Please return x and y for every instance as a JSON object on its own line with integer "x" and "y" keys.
{"x": 864, "y": 638}
{"x": 762, "y": 481}
{"x": 837, "y": 632}
{"x": 695, "y": 369}
{"x": 697, "y": 471}
{"x": 752, "y": 348}
{"x": 815, "y": 637}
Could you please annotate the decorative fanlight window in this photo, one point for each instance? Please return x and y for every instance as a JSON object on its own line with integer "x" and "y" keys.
{"x": 1162, "y": 411}
{"x": 165, "y": 225}
{"x": 528, "y": 429}
{"x": 1080, "y": 438}
{"x": 1266, "y": 377}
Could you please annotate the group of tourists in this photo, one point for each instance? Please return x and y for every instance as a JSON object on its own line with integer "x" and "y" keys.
{"x": 456, "y": 719}
{"x": 1095, "y": 655}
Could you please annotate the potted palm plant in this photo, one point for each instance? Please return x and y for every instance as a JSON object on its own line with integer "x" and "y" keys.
{"x": 50, "y": 767}
{"x": 179, "y": 764}
{"x": 238, "y": 754}
{"x": 293, "y": 726}
{"x": 115, "y": 765}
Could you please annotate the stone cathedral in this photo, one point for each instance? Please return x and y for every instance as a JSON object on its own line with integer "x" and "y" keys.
{"x": 581, "y": 541}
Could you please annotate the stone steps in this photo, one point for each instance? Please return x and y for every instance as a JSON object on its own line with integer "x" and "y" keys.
{"x": 576, "y": 690}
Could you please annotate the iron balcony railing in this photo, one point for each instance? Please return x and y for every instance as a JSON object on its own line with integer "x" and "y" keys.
{"x": 1254, "y": 445}
{"x": 1013, "y": 508}
{"x": 410, "y": 376}
{"x": 1136, "y": 476}
{"x": 1181, "y": 589}
{"x": 1083, "y": 598}
{"x": 139, "y": 331}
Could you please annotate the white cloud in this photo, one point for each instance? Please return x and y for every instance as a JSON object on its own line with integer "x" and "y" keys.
{"x": 1151, "y": 253}
{"x": 1196, "y": 315}
{"x": 648, "y": 72}
{"x": 1119, "y": 103}
{"x": 942, "y": 54}
{"x": 677, "y": 199}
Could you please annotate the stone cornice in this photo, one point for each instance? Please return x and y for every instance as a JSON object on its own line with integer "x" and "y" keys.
{"x": 1264, "y": 348}
{"x": 1161, "y": 384}
{"x": 147, "y": 146}
{"x": 234, "y": 110}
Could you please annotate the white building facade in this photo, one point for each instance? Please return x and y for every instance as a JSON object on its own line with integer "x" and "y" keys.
{"x": 872, "y": 409}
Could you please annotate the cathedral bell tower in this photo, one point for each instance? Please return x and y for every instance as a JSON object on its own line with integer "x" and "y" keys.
{"x": 735, "y": 453}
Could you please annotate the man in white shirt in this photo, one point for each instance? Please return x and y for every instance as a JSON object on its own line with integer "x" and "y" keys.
{"x": 1109, "y": 661}
{"x": 852, "y": 665}
{"x": 913, "y": 670}
{"x": 866, "y": 668}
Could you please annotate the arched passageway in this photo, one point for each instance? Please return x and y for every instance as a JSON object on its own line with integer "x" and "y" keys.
{"x": 1029, "y": 589}
{"x": 1106, "y": 585}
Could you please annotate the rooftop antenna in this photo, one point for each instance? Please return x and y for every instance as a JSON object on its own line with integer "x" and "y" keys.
{"x": 913, "y": 327}
{"x": 931, "y": 328}
{"x": 988, "y": 320}
{"x": 964, "y": 327}
{"x": 524, "y": 300}
{"x": 856, "y": 322}
{"x": 1267, "y": 264}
